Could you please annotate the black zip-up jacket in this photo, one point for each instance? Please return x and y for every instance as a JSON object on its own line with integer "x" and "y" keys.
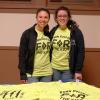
{"x": 27, "y": 51}
{"x": 77, "y": 50}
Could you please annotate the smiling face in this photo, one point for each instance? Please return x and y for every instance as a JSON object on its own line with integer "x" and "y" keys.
{"x": 62, "y": 18}
{"x": 42, "y": 19}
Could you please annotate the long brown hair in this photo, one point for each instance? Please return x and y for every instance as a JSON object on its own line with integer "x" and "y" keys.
{"x": 71, "y": 23}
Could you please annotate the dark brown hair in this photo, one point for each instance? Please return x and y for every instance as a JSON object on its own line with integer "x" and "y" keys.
{"x": 62, "y": 8}
{"x": 43, "y": 9}
{"x": 71, "y": 23}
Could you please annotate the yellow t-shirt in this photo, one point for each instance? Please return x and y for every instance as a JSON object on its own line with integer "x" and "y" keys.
{"x": 42, "y": 65}
{"x": 61, "y": 48}
{"x": 50, "y": 91}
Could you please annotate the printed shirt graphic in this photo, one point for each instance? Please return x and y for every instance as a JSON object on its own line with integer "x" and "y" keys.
{"x": 50, "y": 91}
{"x": 61, "y": 48}
{"x": 42, "y": 66}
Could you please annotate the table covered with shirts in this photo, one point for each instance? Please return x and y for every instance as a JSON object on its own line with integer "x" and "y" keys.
{"x": 50, "y": 91}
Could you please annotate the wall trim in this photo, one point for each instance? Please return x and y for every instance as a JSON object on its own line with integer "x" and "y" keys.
{"x": 8, "y": 48}
{"x": 16, "y": 48}
{"x": 30, "y": 6}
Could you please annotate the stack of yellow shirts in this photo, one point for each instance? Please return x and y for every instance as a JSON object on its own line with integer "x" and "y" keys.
{"x": 50, "y": 91}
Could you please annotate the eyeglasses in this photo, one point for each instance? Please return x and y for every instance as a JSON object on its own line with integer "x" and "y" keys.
{"x": 60, "y": 16}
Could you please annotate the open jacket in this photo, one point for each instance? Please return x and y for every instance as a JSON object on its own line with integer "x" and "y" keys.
{"x": 77, "y": 50}
{"x": 27, "y": 51}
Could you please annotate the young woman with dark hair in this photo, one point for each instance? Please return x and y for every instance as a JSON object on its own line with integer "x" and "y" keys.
{"x": 67, "y": 52}
{"x": 34, "y": 57}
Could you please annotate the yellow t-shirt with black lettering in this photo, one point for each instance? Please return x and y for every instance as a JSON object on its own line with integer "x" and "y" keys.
{"x": 42, "y": 65}
{"x": 61, "y": 48}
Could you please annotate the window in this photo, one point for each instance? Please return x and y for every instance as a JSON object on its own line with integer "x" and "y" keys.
{"x": 30, "y": 6}
{"x": 77, "y": 6}
{"x": 21, "y": 5}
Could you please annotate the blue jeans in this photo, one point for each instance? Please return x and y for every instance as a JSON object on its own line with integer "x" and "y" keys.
{"x": 63, "y": 75}
{"x": 39, "y": 79}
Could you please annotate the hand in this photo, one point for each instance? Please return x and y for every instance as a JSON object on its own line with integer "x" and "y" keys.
{"x": 23, "y": 81}
{"x": 78, "y": 76}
